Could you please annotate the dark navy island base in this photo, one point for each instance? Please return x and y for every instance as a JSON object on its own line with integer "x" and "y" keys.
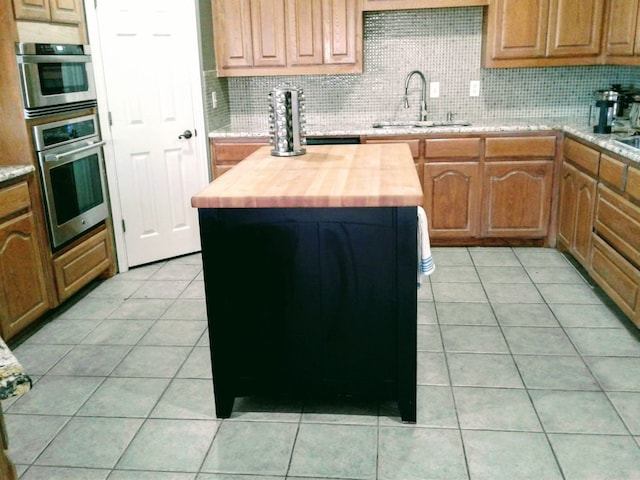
{"x": 311, "y": 301}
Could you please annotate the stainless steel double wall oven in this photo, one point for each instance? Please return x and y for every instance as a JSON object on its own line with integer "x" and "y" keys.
{"x": 60, "y": 106}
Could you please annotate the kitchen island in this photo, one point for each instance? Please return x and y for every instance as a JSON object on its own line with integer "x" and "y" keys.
{"x": 310, "y": 274}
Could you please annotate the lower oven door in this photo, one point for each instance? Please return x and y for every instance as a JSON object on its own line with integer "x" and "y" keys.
{"x": 74, "y": 188}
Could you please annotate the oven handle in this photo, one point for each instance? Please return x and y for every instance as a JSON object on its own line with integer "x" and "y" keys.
{"x": 56, "y": 157}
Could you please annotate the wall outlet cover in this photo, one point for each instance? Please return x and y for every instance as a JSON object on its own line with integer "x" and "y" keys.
{"x": 474, "y": 88}
{"x": 434, "y": 89}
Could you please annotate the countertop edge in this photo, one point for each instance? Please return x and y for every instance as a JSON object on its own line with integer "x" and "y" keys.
{"x": 573, "y": 127}
{"x": 12, "y": 172}
{"x": 13, "y": 380}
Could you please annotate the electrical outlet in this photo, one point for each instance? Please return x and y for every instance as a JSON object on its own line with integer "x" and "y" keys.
{"x": 474, "y": 88}
{"x": 214, "y": 100}
{"x": 434, "y": 89}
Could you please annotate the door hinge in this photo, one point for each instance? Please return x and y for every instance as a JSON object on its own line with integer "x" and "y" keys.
{"x": 110, "y": 119}
{"x": 124, "y": 227}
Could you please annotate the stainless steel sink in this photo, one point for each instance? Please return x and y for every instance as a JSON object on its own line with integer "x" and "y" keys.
{"x": 419, "y": 124}
{"x": 630, "y": 141}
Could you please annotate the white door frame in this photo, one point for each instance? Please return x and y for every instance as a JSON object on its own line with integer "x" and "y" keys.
{"x": 91, "y": 12}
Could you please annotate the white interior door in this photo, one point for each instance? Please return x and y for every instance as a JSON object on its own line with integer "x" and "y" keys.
{"x": 150, "y": 61}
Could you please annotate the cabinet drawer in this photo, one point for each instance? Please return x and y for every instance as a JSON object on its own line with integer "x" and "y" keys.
{"x": 414, "y": 144}
{"x": 616, "y": 276}
{"x": 234, "y": 152}
{"x": 612, "y": 171}
{"x": 618, "y": 222}
{"x": 452, "y": 148}
{"x": 633, "y": 183}
{"x": 582, "y": 156}
{"x": 14, "y": 198}
{"x": 84, "y": 262}
{"x": 520, "y": 147}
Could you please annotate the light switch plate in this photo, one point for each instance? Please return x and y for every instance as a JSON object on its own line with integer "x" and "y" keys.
{"x": 434, "y": 89}
{"x": 474, "y": 88}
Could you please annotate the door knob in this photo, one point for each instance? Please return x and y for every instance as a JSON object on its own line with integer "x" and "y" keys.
{"x": 186, "y": 134}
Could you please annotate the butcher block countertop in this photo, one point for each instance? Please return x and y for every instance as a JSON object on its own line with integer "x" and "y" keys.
{"x": 366, "y": 175}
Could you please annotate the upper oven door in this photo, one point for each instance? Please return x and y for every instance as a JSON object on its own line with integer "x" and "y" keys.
{"x": 49, "y": 80}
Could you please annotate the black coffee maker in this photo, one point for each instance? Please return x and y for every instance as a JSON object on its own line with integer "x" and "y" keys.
{"x": 602, "y": 111}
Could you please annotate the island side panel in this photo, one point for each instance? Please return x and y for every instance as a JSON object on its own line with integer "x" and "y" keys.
{"x": 406, "y": 305}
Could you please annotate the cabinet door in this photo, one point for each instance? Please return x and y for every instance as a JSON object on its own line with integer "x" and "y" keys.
{"x": 267, "y": 28}
{"x": 621, "y": 27}
{"x": 567, "y": 208}
{"x": 232, "y": 26}
{"x": 585, "y": 207}
{"x": 32, "y": 10}
{"x": 451, "y": 199}
{"x": 66, "y": 11}
{"x": 304, "y": 32}
{"x": 518, "y": 28}
{"x": 517, "y": 198}
{"x": 574, "y": 27}
{"x": 341, "y": 30}
{"x": 23, "y": 294}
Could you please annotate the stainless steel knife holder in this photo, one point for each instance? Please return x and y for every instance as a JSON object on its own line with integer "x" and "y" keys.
{"x": 286, "y": 121}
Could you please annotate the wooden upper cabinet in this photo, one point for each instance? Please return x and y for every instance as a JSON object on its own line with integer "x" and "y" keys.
{"x": 66, "y": 11}
{"x": 304, "y": 27}
{"x": 282, "y": 37}
{"x": 520, "y": 28}
{"x": 340, "y": 26}
{"x": 575, "y": 27}
{"x": 529, "y": 33}
{"x": 55, "y": 11}
{"x": 267, "y": 28}
{"x": 32, "y": 10}
{"x": 622, "y": 38}
{"x": 622, "y": 20}
{"x": 232, "y": 29}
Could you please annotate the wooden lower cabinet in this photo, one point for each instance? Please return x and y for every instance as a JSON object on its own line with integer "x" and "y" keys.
{"x": 228, "y": 152}
{"x": 617, "y": 277}
{"x": 485, "y": 189}
{"x": 517, "y": 198}
{"x": 575, "y": 217}
{"x": 76, "y": 267}
{"x": 23, "y": 292}
{"x": 452, "y": 199}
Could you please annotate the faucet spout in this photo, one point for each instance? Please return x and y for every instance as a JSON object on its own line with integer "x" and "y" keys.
{"x": 423, "y": 99}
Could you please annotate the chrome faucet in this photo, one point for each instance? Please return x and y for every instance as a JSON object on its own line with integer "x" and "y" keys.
{"x": 423, "y": 100}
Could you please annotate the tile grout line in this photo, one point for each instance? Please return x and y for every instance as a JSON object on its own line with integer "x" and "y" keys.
{"x": 499, "y": 324}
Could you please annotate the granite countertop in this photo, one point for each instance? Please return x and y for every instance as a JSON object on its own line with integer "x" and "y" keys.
{"x": 574, "y": 126}
{"x": 365, "y": 175}
{"x": 13, "y": 380}
{"x": 9, "y": 172}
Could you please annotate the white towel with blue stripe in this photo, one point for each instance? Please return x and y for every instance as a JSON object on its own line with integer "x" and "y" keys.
{"x": 425, "y": 261}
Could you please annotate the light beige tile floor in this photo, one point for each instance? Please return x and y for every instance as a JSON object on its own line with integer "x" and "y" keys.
{"x": 523, "y": 373}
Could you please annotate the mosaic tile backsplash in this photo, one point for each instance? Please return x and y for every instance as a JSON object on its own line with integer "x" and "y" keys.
{"x": 445, "y": 45}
